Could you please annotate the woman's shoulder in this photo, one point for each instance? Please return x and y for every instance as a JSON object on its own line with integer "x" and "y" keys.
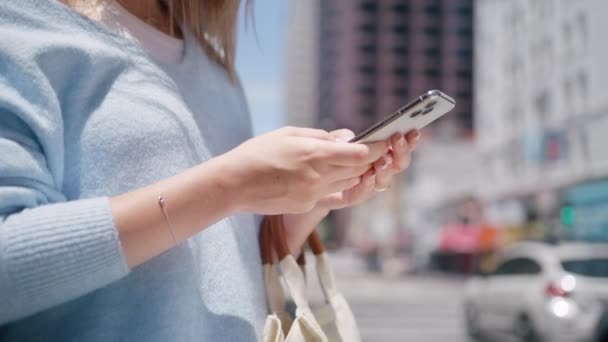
{"x": 52, "y": 56}
{"x": 47, "y": 22}
{"x": 38, "y": 15}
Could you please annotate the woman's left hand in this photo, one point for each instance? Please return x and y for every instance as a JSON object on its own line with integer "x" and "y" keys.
{"x": 378, "y": 178}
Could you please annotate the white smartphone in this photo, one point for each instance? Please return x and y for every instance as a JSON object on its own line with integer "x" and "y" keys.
{"x": 414, "y": 115}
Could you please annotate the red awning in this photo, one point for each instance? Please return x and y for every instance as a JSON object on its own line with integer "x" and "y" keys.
{"x": 466, "y": 238}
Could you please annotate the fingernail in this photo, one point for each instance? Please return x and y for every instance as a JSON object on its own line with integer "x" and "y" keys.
{"x": 386, "y": 162}
{"x": 370, "y": 179}
{"x": 341, "y": 140}
{"x": 401, "y": 141}
{"x": 384, "y": 165}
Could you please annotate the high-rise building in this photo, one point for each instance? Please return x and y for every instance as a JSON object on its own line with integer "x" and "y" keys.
{"x": 303, "y": 63}
{"x": 542, "y": 112}
{"x": 372, "y": 58}
{"x": 375, "y": 56}
{"x": 541, "y": 105}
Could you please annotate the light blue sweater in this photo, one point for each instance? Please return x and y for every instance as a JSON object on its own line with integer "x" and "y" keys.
{"x": 84, "y": 115}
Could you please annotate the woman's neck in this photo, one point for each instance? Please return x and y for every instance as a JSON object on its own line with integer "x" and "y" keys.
{"x": 150, "y": 11}
{"x": 153, "y": 13}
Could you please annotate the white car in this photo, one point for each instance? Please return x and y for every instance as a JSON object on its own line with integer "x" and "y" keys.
{"x": 542, "y": 292}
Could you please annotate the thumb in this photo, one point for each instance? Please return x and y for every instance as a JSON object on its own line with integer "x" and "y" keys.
{"x": 332, "y": 201}
{"x": 343, "y": 134}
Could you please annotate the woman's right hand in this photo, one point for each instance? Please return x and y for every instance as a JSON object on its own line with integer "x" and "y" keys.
{"x": 285, "y": 171}
{"x": 288, "y": 170}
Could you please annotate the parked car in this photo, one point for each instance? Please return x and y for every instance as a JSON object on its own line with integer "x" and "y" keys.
{"x": 541, "y": 292}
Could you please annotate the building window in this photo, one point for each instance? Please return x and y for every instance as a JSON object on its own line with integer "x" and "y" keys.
{"x": 463, "y": 94}
{"x": 464, "y": 55}
{"x": 432, "y": 52}
{"x": 583, "y": 86}
{"x": 401, "y": 29}
{"x": 367, "y": 91}
{"x": 400, "y": 50}
{"x": 542, "y": 104}
{"x": 432, "y": 31}
{"x": 368, "y": 28}
{"x": 464, "y": 74}
{"x": 367, "y": 70}
{"x": 431, "y": 72}
{"x": 433, "y": 11}
{"x": 464, "y": 32}
{"x": 582, "y": 28}
{"x": 401, "y": 71}
{"x": 401, "y": 8}
{"x": 369, "y": 6}
{"x": 567, "y": 34}
{"x": 400, "y": 92}
{"x": 367, "y": 112}
{"x": 368, "y": 48}
{"x": 465, "y": 12}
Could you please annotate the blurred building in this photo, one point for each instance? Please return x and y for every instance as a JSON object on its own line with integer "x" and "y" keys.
{"x": 303, "y": 63}
{"x": 378, "y": 55}
{"x": 541, "y": 106}
{"x": 373, "y": 57}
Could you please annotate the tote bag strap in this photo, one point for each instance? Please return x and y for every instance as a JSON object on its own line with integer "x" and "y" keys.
{"x": 291, "y": 271}
{"x": 273, "y": 240}
{"x": 275, "y": 294}
{"x": 273, "y": 235}
{"x": 322, "y": 266}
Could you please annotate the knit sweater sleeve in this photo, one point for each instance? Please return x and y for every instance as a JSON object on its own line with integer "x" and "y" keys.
{"x": 51, "y": 250}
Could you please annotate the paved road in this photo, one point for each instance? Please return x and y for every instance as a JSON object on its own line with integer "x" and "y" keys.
{"x": 412, "y": 308}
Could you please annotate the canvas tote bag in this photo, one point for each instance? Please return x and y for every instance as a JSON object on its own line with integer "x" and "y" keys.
{"x": 333, "y": 321}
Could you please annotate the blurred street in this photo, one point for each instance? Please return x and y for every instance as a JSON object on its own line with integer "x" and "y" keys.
{"x": 411, "y": 308}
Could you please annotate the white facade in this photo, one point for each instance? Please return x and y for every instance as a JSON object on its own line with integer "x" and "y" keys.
{"x": 541, "y": 93}
{"x": 303, "y": 63}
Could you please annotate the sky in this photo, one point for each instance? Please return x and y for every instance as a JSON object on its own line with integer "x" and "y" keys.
{"x": 261, "y": 64}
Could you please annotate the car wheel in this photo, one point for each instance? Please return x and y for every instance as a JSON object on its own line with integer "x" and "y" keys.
{"x": 471, "y": 317}
{"x": 524, "y": 330}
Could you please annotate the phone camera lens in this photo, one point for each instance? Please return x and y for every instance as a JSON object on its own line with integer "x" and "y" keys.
{"x": 416, "y": 113}
{"x": 431, "y": 104}
{"x": 428, "y": 110}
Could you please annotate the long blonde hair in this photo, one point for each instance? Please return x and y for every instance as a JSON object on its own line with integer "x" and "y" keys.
{"x": 213, "y": 22}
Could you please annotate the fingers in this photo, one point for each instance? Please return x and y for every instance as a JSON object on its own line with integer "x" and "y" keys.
{"x": 377, "y": 149}
{"x": 335, "y": 173}
{"x": 380, "y": 176}
{"x": 384, "y": 173}
{"x": 396, "y": 160}
{"x": 412, "y": 138}
{"x": 341, "y": 185}
{"x": 401, "y": 152}
{"x": 309, "y": 133}
{"x": 351, "y": 196}
{"x": 343, "y": 134}
{"x": 347, "y": 154}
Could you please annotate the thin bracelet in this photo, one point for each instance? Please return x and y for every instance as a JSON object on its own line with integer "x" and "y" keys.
{"x": 161, "y": 204}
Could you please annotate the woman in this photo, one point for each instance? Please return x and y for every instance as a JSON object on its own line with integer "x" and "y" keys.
{"x": 129, "y": 181}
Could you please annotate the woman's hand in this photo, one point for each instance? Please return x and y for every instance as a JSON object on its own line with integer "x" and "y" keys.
{"x": 285, "y": 171}
{"x": 291, "y": 169}
{"x": 380, "y": 176}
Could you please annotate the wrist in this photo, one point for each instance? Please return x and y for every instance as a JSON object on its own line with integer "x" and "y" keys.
{"x": 299, "y": 226}
{"x": 215, "y": 173}
{"x": 231, "y": 181}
